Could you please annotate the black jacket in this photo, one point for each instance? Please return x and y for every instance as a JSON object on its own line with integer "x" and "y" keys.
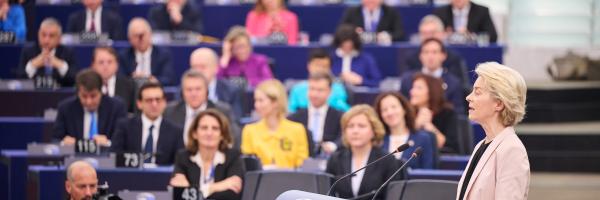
{"x": 390, "y": 21}
{"x": 62, "y": 52}
{"x": 161, "y": 64}
{"x": 331, "y": 129}
{"x": 110, "y": 23}
{"x": 160, "y": 20}
{"x": 479, "y": 20}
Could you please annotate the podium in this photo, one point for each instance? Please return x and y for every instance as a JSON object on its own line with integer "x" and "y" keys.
{"x": 302, "y": 195}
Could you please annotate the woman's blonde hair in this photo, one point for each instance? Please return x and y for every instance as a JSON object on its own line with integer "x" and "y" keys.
{"x": 276, "y": 92}
{"x": 507, "y": 86}
{"x": 236, "y": 32}
{"x": 369, "y": 112}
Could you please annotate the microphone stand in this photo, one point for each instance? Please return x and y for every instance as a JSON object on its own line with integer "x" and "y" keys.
{"x": 415, "y": 153}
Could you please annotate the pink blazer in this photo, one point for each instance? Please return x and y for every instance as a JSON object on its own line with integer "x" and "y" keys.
{"x": 502, "y": 171}
{"x": 262, "y": 24}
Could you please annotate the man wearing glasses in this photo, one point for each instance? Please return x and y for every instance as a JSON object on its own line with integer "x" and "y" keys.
{"x": 149, "y": 132}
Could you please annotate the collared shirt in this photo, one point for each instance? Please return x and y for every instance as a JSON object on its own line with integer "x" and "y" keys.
{"x": 97, "y": 22}
{"x": 146, "y": 123}
{"x": 205, "y": 182}
{"x": 395, "y": 142}
{"x": 346, "y": 59}
{"x": 86, "y": 123}
{"x": 436, "y": 73}
{"x": 371, "y": 19}
{"x": 357, "y": 179}
{"x": 317, "y": 134}
{"x": 461, "y": 17}
{"x": 212, "y": 90}
{"x": 62, "y": 70}
{"x": 109, "y": 88}
{"x": 143, "y": 60}
{"x": 190, "y": 114}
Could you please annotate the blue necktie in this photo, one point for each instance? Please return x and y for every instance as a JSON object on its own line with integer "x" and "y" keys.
{"x": 148, "y": 145}
{"x": 93, "y": 126}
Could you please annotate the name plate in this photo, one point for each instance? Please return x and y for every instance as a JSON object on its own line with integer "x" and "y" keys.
{"x": 7, "y": 37}
{"x": 86, "y": 147}
{"x": 130, "y": 160}
{"x": 186, "y": 193}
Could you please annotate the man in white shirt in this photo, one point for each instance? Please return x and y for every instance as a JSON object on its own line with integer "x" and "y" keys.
{"x": 48, "y": 63}
{"x": 96, "y": 19}
{"x": 105, "y": 63}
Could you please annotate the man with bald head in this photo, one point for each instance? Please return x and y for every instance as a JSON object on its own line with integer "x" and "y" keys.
{"x": 144, "y": 60}
{"x": 47, "y": 62}
{"x": 205, "y": 61}
{"x": 432, "y": 27}
{"x": 82, "y": 181}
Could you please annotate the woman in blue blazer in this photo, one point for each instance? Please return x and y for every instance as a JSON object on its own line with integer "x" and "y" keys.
{"x": 399, "y": 119}
{"x": 349, "y": 63}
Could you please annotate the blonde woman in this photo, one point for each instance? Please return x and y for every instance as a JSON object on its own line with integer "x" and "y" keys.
{"x": 362, "y": 133}
{"x": 275, "y": 140}
{"x": 499, "y": 166}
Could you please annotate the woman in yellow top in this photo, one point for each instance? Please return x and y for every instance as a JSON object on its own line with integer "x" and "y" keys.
{"x": 275, "y": 140}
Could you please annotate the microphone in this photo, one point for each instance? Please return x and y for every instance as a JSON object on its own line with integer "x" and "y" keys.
{"x": 414, "y": 154}
{"x": 401, "y": 148}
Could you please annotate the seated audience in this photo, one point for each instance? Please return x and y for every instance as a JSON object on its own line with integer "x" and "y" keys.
{"x": 143, "y": 60}
{"x": 47, "y": 62}
{"x": 82, "y": 181}
{"x": 205, "y": 61}
{"x": 105, "y": 62}
{"x": 176, "y": 15}
{"x": 194, "y": 91}
{"x": 96, "y": 19}
{"x": 430, "y": 27}
{"x": 372, "y": 16}
{"x": 464, "y": 16}
{"x": 322, "y": 121}
{"x": 271, "y": 16}
{"x": 89, "y": 115}
{"x": 238, "y": 59}
{"x": 434, "y": 113}
{"x": 149, "y": 132}
{"x": 275, "y": 140}
{"x": 319, "y": 62}
{"x": 208, "y": 162}
{"x": 12, "y": 19}
{"x": 432, "y": 55}
{"x": 362, "y": 132}
{"x": 398, "y": 118}
{"x": 352, "y": 65}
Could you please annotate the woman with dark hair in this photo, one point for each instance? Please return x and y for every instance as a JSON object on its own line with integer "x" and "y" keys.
{"x": 434, "y": 113}
{"x": 208, "y": 162}
{"x": 349, "y": 63}
{"x": 398, "y": 117}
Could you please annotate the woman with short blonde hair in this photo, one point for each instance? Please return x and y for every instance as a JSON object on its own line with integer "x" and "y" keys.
{"x": 499, "y": 166}
{"x": 363, "y": 109}
{"x": 275, "y": 140}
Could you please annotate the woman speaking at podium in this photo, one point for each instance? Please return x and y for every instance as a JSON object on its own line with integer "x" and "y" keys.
{"x": 499, "y": 166}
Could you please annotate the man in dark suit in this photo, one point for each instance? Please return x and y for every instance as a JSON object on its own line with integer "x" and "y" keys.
{"x": 96, "y": 19}
{"x": 194, "y": 90}
{"x": 375, "y": 17}
{"x": 144, "y": 60}
{"x": 464, "y": 16}
{"x": 176, "y": 15}
{"x": 432, "y": 55}
{"x": 105, "y": 63}
{"x": 322, "y": 121}
{"x": 205, "y": 61}
{"x": 149, "y": 132}
{"x": 432, "y": 26}
{"x": 48, "y": 63}
{"x": 89, "y": 115}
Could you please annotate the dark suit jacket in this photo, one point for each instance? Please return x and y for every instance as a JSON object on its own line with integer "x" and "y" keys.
{"x": 233, "y": 166}
{"x": 454, "y": 93}
{"x": 125, "y": 89}
{"x": 69, "y": 120}
{"x": 423, "y": 139}
{"x": 331, "y": 130}
{"x": 62, "y": 52}
{"x": 128, "y": 138}
{"x": 340, "y": 163}
{"x": 175, "y": 112}
{"x": 479, "y": 19}
{"x": 110, "y": 23}
{"x": 389, "y": 21}
{"x": 454, "y": 63}
{"x": 231, "y": 95}
{"x": 160, "y": 20}
{"x": 447, "y": 122}
{"x": 161, "y": 64}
